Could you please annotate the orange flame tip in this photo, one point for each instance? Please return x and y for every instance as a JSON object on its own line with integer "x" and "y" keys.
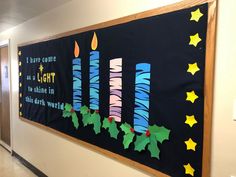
{"x": 94, "y": 42}
{"x": 76, "y": 50}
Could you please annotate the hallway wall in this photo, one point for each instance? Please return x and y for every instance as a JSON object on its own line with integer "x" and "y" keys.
{"x": 58, "y": 157}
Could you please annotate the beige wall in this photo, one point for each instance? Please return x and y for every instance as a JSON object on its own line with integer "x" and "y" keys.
{"x": 58, "y": 157}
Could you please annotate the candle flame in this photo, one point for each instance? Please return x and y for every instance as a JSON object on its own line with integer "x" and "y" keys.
{"x": 94, "y": 42}
{"x": 76, "y": 49}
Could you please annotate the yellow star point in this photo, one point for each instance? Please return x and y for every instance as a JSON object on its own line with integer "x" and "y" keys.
{"x": 195, "y": 39}
{"x": 190, "y": 120}
{"x": 196, "y": 15}
{"x": 193, "y": 68}
{"x": 19, "y": 53}
{"x": 21, "y": 105}
{"x": 189, "y": 169}
{"x": 190, "y": 144}
{"x": 191, "y": 96}
{"x": 41, "y": 68}
{"x": 20, "y": 84}
{"x": 19, "y": 63}
{"x": 20, "y": 113}
{"x": 20, "y": 95}
{"x": 20, "y": 74}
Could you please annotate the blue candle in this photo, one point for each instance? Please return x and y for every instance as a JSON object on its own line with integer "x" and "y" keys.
{"x": 77, "y": 82}
{"x": 94, "y": 75}
{"x": 142, "y": 91}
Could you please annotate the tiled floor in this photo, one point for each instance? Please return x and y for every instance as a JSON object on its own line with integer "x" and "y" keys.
{"x": 11, "y": 167}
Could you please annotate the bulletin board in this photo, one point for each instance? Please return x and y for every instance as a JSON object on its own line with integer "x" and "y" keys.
{"x": 138, "y": 89}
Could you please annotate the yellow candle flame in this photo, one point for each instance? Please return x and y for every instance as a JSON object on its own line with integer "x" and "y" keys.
{"x": 76, "y": 50}
{"x": 94, "y": 42}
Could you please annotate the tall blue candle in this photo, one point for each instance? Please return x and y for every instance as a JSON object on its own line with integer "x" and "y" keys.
{"x": 94, "y": 75}
{"x": 142, "y": 91}
{"x": 77, "y": 84}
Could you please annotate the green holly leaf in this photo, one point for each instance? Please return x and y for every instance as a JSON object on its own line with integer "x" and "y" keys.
{"x": 66, "y": 114}
{"x": 113, "y": 129}
{"x": 68, "y": 107}
{"x": 127, "y": 139}
{"x": 153, "y": 148}
{"x": 161, "y": 133}
{"x": 86, "y": 119}
{"x": 75, "y": 120}
{"x": 141, "y": 142}
{"x": 125, "y": 128}
{"x": 96, "y": 121}
{"x": 84, "y": 110}
{"x": 105, "y": 123}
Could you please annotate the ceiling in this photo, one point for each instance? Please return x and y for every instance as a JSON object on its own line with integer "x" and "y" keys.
{"x": 14, "y": 12}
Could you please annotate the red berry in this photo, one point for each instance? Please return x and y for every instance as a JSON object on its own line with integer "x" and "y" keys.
{"x": 110, "y": 119}
{"x": 72, "y": 110}
{"x": 148, "y": 133}
{"x": 97, "y": 111}
{"x": 132, "y": 130}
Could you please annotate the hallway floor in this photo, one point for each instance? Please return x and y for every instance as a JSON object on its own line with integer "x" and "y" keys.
{"x": 11, "y": 167}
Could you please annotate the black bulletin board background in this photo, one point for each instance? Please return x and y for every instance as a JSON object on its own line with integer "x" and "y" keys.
{"x": 162, "y": 41}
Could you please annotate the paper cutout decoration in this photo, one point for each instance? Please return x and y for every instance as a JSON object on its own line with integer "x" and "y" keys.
{"x": 70, "y": 112}
{"x": 19, "y": 53}
{"x": 189, "y": 170}
{"x": 190, "y": 144}
{"x": 142, "y": 90}
{"x": 128, "y": 136}
{"x": 195, "y": 39}
{"x": 193, "y": 68}
{"x": 91, "y": 119}
{"x": 94, "y": 74}
{"x": 77, "y": 79}
{"x": 116, "y": 88}
{"x": 20, "y": 63}
{"x": 110, "y": 124}
{"x": 196, "y": 15}
{"x": 190, "y": 120}
{"x": 153, "y": 135}
{"x": 191, "y": 96}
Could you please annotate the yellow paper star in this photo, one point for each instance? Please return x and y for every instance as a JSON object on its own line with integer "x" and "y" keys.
{"x": 20, "y": 84}
{"x": 20, "y": 95}
{"x": 19, "y": 63}
{"x": 190, "y": 120}
{"x": 20, "y": 74}
{"x": 196, "y": 15}
{"x": 189, "y": 169}
{"x": 19, "y": 53}
{"x": 191, "y": 96}
{"x": 191, "y": 145}
{"x": 194, "y": 40}
{"x": 193, "y": 68}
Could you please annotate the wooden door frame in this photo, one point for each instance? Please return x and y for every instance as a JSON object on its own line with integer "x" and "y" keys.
{"x": 6, "y": 43}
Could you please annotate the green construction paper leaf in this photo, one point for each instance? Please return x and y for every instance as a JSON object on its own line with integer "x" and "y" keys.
{"x": 68, "y": 107}
{"x": 66, "y": 114}
{"x": 161, "y": 133}
{"x": 141, "y": 142}
{"x": 84, "y": 110}
{"x": 126, "y": 128}
{"x": 113, "y": 129}
{"x": 75, "y": 120}
{"x": 96, "y": 121}
{"x": 153, "y": 148}
{"x": 86, "y": 119}
{"x": 127, "y": 139}
{"x": 105, "y": 123}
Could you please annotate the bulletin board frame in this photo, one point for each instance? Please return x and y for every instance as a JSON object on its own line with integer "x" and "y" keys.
{"x": 208, "y": 80}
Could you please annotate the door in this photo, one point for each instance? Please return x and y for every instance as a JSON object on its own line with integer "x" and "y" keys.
{"x": 5, "y": 136}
